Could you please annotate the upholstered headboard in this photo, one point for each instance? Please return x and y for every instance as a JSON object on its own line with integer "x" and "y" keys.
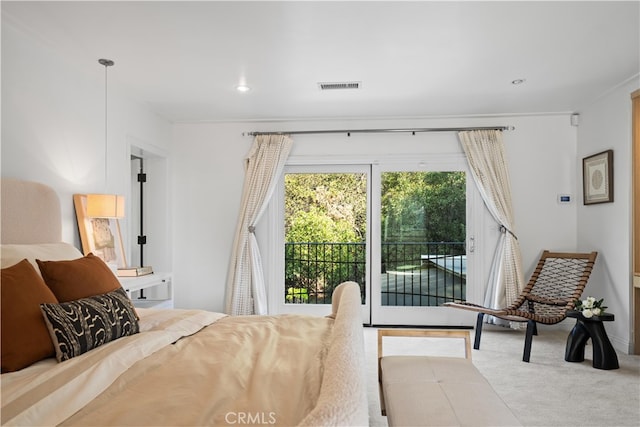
{"x": 30, "y": 213}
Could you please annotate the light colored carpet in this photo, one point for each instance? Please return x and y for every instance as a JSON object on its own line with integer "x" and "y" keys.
{"x": 547, "y": 391}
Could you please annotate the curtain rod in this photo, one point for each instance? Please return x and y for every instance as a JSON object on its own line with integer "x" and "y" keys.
{"x": 350, "y": 131}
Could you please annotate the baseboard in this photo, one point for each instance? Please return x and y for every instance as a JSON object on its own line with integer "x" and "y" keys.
{"x": 620, "y": 344}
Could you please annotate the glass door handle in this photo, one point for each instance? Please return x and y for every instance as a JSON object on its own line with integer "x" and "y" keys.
{"x": 471, "y": 245}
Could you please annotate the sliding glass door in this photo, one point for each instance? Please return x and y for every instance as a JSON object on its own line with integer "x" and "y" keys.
{"x": 401, "y": 230}
{"x": 420, "y": 229}
{"x": 324, "y": 236}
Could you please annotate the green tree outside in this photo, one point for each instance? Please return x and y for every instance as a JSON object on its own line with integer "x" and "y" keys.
{"x": 323, "y": 209}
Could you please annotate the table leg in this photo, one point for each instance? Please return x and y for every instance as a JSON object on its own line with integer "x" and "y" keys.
{"x": 604, "y": 355}
{"x": 576, "y": 341}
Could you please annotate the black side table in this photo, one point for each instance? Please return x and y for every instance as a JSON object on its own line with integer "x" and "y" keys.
{"x": 604, "y": 355}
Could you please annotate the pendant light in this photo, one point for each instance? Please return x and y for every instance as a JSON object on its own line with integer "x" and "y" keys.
{"x": 105, "y": 205}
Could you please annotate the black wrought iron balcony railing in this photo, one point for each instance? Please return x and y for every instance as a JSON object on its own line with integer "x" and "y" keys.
{"x": 413, "y": 274}
{"x": 423, "y": 274}
{"x": 313, "y": 270}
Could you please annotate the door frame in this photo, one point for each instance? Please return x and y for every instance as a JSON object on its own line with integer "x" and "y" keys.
{"x": 271, "y": 231}
{"x": 635, "y": 273}
{"x": 275, "y": 265}
{"x": 157, "y": 209}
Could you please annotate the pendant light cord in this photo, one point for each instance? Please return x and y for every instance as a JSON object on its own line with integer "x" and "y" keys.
{"x": 106, "y": 144}
{"x": 107, "y": 63}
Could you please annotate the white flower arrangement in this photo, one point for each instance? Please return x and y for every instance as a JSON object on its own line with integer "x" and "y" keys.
{"x": 590, "y": 307}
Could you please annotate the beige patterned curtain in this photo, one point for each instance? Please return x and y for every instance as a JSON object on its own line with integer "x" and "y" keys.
{"x": 246, "y": 290}
{"x": 486, "y": 157}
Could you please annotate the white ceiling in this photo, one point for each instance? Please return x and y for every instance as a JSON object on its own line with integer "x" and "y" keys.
{"x": 413, "y": 59}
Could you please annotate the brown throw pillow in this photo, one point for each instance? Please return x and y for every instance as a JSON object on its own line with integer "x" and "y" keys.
{"x": 78, "y": 278}
{"x": 25, "y": 337}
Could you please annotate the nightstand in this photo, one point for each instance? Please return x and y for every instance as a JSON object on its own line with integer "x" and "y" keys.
{"x": 157, "y": 287}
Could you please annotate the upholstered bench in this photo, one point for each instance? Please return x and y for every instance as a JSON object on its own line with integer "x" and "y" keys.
{"x": 437, "y": 391}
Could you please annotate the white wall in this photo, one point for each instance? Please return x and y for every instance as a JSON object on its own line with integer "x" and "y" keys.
{"x": 53, "y": 123}
{"x": 53, "y": 132}
{"x": 208, "y": 177}
{"x": 606, "y": 228}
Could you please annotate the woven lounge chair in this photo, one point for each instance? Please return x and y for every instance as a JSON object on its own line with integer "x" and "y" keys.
{"x": 556, "y": 283}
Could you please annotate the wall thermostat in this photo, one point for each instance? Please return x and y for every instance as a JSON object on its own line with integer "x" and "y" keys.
{"x": 564, "y": 198}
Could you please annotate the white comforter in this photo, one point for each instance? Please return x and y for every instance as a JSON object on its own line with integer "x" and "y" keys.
{"x": 47, "y": 393}
{"x": 282, "y": 370}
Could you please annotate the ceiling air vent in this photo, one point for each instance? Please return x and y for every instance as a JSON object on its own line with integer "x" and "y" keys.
{"x": 338, "y": 85}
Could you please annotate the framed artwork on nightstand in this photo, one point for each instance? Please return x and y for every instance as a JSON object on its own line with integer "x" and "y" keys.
{"x": 597, "y": 177}
{"x": 100, "y": 236}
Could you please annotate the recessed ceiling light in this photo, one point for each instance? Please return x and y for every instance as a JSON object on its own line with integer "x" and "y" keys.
{"x": 243, "y": 88}
{"x": 518, "y": 81}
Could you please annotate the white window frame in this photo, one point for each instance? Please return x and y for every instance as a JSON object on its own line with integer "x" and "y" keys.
{"x": 270, "y": 232}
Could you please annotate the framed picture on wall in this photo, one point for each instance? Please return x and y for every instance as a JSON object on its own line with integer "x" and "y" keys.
{"x": 597, "y": 177}
{"x": 100, "y": 236}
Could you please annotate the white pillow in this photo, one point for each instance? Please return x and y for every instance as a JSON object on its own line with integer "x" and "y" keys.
{"x": 13, "y": 254}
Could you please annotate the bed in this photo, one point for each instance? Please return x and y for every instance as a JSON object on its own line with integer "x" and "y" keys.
{"x": 156, "y": 367}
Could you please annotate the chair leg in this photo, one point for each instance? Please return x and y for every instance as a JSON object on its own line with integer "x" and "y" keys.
{"x": 476, "y": 341}
{"x": 532, "y": 330}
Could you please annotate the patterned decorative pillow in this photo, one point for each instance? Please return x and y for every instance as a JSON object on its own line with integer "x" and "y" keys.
{"x": 79, "y": 326}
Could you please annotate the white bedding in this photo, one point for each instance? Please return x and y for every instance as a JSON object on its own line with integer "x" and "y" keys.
{"x": 28, "y": 397}
{"x": 190, "y": 367}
